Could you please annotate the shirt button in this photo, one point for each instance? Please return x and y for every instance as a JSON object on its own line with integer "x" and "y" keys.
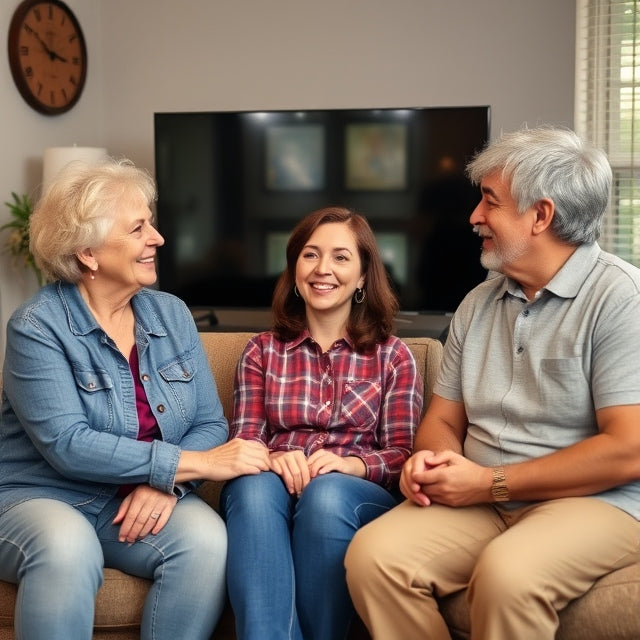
{"x": 327, "y": 403}
{"x": 145, "y": 377}
{"x": 519, "y": 349}
{"x": 525, "y": 313}
{"x": 160, "y": 408}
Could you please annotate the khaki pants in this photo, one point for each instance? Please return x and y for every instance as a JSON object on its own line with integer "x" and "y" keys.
{"x": 520, "y": 566}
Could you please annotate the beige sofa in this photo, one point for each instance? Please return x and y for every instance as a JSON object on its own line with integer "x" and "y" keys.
{"x": 610, "y": 610}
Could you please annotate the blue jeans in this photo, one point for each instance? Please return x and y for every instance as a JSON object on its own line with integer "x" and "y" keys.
{"x": 55, "y": 554}
{"x": 285, "y": 572}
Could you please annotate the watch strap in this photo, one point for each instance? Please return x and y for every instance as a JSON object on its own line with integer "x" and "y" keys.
{"x": 499, "y": 489}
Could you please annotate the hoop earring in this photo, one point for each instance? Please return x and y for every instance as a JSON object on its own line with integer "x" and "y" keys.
{"x": 359, "y": 296}
{"x": 295, "y": 290}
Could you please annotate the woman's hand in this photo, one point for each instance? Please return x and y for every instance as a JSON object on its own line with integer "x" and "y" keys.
{"x": 237, "y": 457}
{"x": 145, "y": 510}
{"x": 323, "y": 461}
{"x": 293, "y": 468}
{"x": 234, "y": 458}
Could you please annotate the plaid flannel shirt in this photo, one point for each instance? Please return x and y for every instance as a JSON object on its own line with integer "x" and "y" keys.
{"x": 290, "y": 395}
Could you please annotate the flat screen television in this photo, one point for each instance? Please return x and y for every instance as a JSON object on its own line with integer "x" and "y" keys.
{"x": 232, "y": 185}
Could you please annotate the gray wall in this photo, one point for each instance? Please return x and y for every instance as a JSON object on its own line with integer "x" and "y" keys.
{"x": 191, "y": 55}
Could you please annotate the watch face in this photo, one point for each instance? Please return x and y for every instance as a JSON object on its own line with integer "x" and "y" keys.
{"x": 47, "y": 55}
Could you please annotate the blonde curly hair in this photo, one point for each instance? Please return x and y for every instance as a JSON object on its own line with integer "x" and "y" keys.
{"x": 77, "y": 212}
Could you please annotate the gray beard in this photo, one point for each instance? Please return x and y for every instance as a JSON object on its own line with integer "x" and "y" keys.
{"x": 495, "y": 260}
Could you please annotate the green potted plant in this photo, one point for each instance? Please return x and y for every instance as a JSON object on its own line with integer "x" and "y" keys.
{"x": 18, "y": 240}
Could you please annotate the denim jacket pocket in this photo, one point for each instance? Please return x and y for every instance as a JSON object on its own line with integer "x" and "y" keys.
{"x": 96, "y": 392}
{"x": 179, "y": 376}
{"x": 181, "y": 370}
{"x": 93, "y": 381}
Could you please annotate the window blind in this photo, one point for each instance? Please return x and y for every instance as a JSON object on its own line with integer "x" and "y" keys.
{"x": 607, "y": 109}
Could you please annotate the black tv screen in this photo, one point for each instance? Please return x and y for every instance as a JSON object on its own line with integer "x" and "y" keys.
{"x": 232, "y": 185}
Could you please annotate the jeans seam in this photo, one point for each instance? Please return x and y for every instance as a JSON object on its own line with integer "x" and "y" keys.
{"x": 157, "y": 585}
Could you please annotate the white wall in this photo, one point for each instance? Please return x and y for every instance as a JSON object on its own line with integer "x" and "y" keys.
{"x": 516, "y": 55}
{"x": 189, "y": 55}
{"x": 24, "y": 134}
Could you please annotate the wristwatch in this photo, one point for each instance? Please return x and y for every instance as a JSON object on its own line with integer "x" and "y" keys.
{"x": 499, "y": 489}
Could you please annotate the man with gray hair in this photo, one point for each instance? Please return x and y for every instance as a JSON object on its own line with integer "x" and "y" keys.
{"x": 524, "y": 486}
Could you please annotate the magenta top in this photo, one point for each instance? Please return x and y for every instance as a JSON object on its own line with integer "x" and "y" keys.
{"x": 147, "y": 425}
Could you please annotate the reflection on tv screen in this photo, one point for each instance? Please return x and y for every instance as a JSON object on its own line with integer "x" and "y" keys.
{"x": 232, "y": 185}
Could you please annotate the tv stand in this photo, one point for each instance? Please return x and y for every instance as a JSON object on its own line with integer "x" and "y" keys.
{"x": 204, "y": 317}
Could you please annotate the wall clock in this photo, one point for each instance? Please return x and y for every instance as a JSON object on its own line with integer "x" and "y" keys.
{"x": 47, "y": 55}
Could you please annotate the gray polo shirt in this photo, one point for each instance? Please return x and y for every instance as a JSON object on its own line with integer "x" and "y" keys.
{"x": 532, "y": 374}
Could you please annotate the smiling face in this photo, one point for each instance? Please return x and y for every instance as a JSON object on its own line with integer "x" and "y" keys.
{"x": 329, "y": 270}
{"x": 505, "y": 233}
{"x": 127, "y": 257}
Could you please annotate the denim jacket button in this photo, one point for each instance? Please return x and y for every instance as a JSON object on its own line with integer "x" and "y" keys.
{"x": 160, "y": 408}
{"x": 145, "y": 377}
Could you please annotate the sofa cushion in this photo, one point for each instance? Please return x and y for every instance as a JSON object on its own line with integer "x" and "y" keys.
{"x": 120, "y": 600}
{"x": 610, "y": 610}
{"x": 605, "y": 612}
{"x": 223, "y": 351}
{"x": 118, "y": 604}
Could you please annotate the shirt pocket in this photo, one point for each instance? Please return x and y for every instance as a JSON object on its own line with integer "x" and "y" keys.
{"x": 564, "y": 387}
{"x": 360, "y": 405}
{"x": 95, "y": 389}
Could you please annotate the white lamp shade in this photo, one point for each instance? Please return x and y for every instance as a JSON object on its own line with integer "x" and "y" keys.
{"x": 56, "y": 158}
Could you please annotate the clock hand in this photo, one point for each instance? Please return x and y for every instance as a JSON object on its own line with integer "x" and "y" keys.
{"x": 55, "y": 56}
{"x": 40, "y": 40}
{"x": 52, "y": 54}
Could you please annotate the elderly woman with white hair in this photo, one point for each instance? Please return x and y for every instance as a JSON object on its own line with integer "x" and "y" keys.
{"x": 110, "y": 414}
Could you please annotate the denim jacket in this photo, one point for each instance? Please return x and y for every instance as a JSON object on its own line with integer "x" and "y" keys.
{"x": 69, "y": 423}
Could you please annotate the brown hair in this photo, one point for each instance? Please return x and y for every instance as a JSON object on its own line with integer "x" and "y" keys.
{"x": 370, "y": 322}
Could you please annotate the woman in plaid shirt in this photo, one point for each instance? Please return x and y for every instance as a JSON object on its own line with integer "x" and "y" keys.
{"x": 335, "y": 398}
